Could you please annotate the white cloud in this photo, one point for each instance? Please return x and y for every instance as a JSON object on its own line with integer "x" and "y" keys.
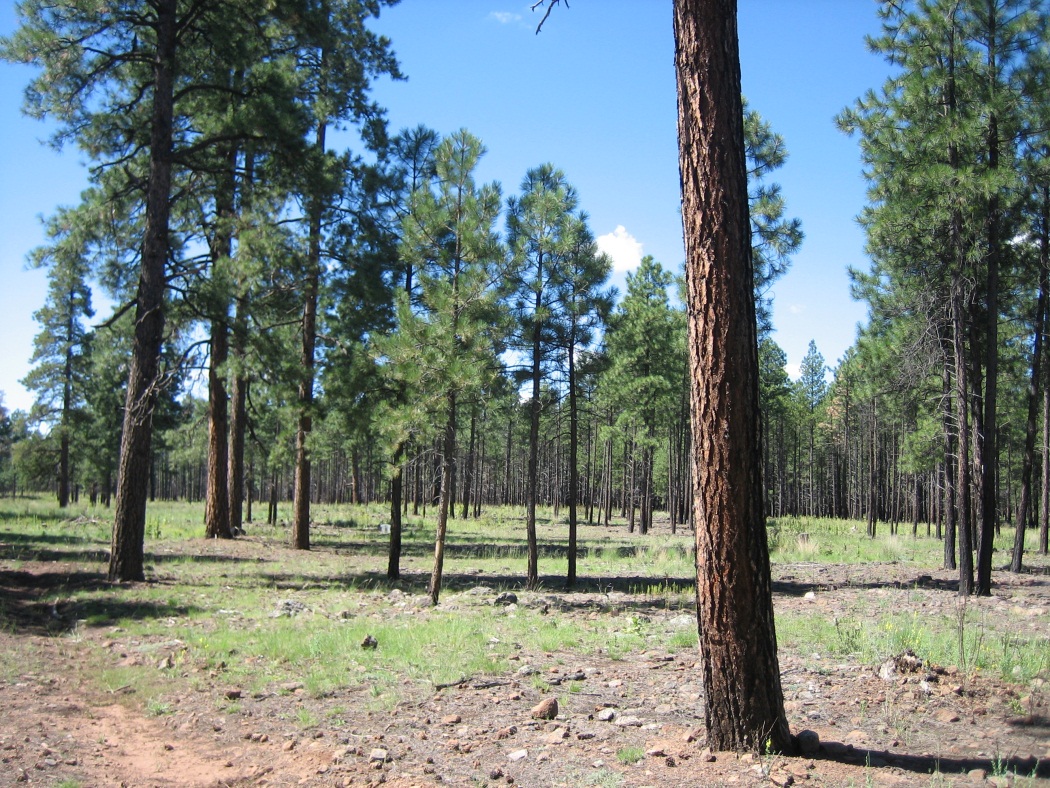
{"x": 796, "y": 309}
{"x": 505, "y": 17}
{"x": 624, "y": 249}
{"x": 794, "y": 371}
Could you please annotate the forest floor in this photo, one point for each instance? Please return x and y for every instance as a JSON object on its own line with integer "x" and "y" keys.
{"x": 160, "y": 684}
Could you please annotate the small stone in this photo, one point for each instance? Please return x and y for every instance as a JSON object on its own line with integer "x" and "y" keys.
{"x": 546, "y": 709}
{"x": 289, "y": 745}
{"x": 629, "y": 722}
{"x": 517, "y": 755}
{"x": 977, "y": 775}
{"x": 656, "y": 752}
{"x": 706, "y": 756}
{"x": 557, "y": 737}
{"x": 607, "y": 715}
{"x": 378, "y": 754}
{"x": 507, "y": 598}
{"x": 809, "y": 595}
{"x": 232, "y": 694}
{"x": 506, "y": 733}
{"x": 694, "y": 735}
{"x": 781, "y": 779}
{"x": 663, "y": 708}
{"x": 496, "y": 773}
{"x": 451, "y": 719}
{"x": 947, "y": 715}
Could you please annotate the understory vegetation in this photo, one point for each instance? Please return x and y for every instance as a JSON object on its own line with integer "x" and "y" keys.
{"x": 273, "y": 615}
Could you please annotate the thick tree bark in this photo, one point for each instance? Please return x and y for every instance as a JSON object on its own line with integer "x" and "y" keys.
{"x": 744, "y": 703}
{"x": 129, "y": 522}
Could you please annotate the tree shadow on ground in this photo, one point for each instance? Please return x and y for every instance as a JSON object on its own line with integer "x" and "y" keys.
{"x": 1028, "y": 766}
{"x": 28, "y": 606}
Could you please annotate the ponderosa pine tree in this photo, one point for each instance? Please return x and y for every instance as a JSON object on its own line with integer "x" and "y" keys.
{"x": 337, "y": 56}
{"x": 445, "y": 348}
{"x": 744, "y": 702}
{"x": 582, "y": 308}
{"x": 643, "y": 378}
{"x": 59, "y": 350}
{"x": 539, "y": 235}
{"x": 411, "y": 167}
{"x": 101, "y": 66}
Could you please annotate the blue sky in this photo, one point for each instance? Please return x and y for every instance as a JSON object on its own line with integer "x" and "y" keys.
{"x": 594, "y": 94}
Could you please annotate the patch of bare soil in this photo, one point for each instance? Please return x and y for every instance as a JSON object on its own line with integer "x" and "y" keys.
{"x": 904, "y": 723}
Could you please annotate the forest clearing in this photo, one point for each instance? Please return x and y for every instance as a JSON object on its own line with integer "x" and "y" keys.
{"x": 244, "y": 662}
{"x": 522, "y": 526}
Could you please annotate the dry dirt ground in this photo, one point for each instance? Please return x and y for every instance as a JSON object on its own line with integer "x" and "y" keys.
{"x": 919, "y": 726}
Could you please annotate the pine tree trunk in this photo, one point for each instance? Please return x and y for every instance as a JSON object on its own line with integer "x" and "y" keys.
{"x": 311, "y": 287}
{"x": 444, "y": 499}
{"x": 1033, "y": 386}
{"x": 744, "y": 702}
{"x": 129, "y": 523}
{"x": 574, "y": 474}
{"x": 532, "y": 577}
{"x": 962, "y": 445}
{"x": 393, "y": 565}
{"x": 217, "y": 504}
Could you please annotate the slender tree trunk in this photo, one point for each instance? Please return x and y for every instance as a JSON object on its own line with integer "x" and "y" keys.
{"x": 129, "y": 523}
{"x": 962, "y": 445}
{"x": 1044, "y": 507}
{"x": 532, "y": 578}
{"x": 949, "y": 508}
{"x": 311, "y": 288}
{"x": 468, "y": 470}
{"x": 574, "y": 473}
{"x": 444, "y": 499}
{"x": 744, "y": 702}
{"x": 393, "y": 565}
{"x": 217, "y": 503}
{"x": 1033, "y": 386}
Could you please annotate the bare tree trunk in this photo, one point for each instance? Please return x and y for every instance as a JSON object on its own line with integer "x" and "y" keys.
{"x": 444, "y": 499}
{"x": 217, "y": 504}
{"x": 1033, "y": 387}
{"x": 744, "y": 700}
{"x": 393, "y": 566}
{"x": 311, "y": 287}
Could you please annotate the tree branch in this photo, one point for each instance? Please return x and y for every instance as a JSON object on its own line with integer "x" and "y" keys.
{"x": 550, "y": 7}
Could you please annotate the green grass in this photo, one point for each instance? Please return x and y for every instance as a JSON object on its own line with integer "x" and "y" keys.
{"x": 630, "y": 755}
{"x": 220, "y": 607}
